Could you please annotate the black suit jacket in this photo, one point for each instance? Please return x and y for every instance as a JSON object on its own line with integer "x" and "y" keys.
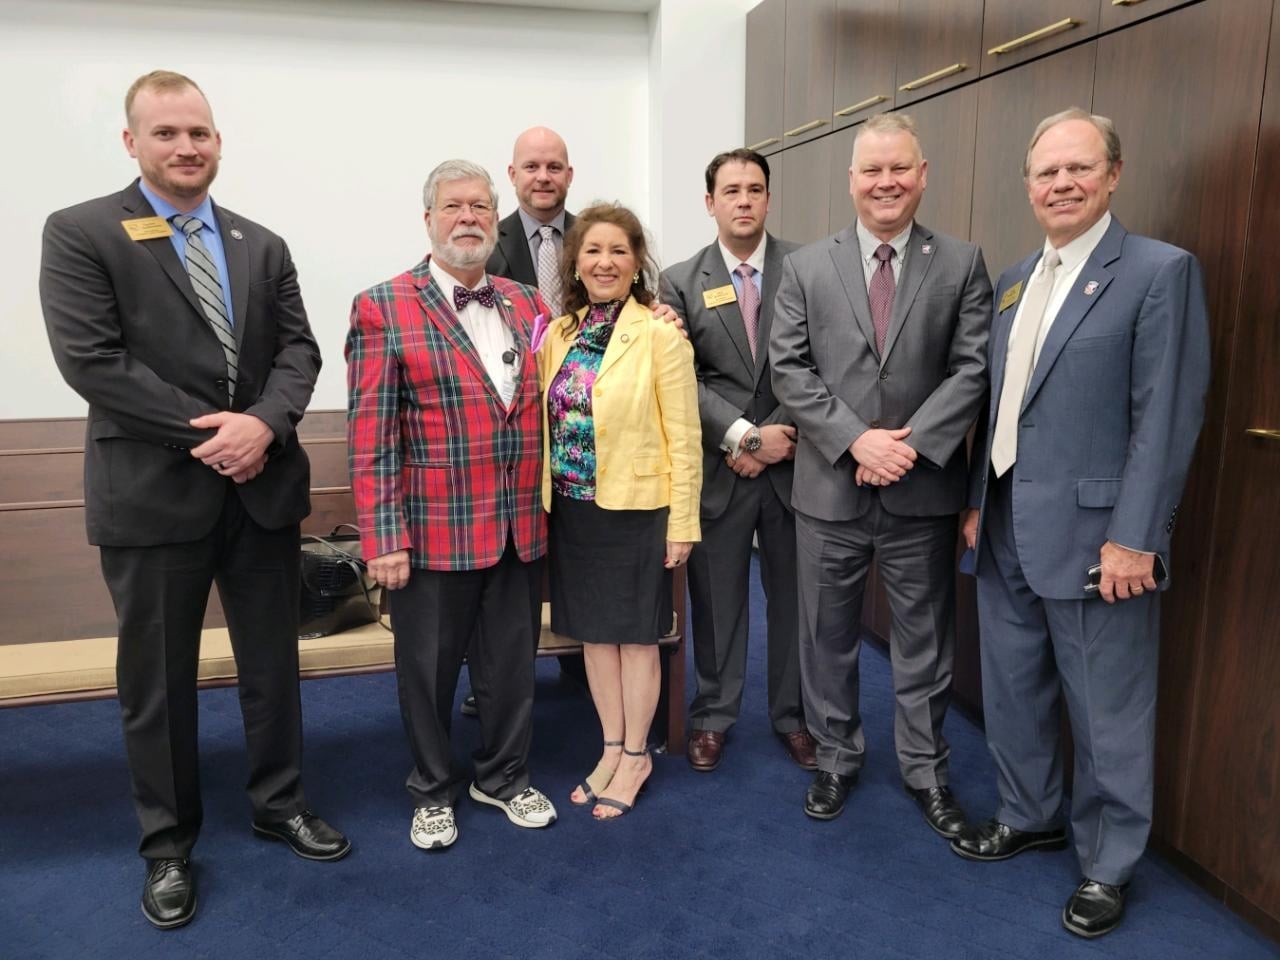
{"x": 129, "y": 336}
{"x": 510, "y": 258}
{"x": 730, "y": 383}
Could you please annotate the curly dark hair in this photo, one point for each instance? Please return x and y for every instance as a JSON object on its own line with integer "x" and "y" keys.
{"x": 575, "y": 292}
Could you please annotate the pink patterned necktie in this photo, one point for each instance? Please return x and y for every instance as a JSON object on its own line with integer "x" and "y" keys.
{"x": 750, "y": 304}
{"x": 880, "y": 292}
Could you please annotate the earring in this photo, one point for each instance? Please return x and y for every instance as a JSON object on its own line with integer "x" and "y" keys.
{"x": 636, "y": 278}
{"x": 576, "y": 276}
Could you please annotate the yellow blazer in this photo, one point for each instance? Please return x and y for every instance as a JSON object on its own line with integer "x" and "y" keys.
{"x": 645, "y": 409}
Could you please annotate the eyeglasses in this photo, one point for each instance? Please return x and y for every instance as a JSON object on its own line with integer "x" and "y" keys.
{"x": 1076, "y": 171}
{"x": 478, "y": 209}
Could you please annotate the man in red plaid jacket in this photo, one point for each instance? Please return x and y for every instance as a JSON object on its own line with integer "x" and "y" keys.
{"x": 445, "y": 452}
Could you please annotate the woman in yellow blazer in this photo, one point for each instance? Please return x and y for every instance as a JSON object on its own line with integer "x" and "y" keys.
{"x": 622, "y": 477}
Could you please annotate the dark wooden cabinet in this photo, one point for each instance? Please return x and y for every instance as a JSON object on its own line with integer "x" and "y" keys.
{"x": 1121, "y": 13}
{"x": 947, "y": 126}
{"x": 839, "y": 202}
{"x": 1009, "y": 107}
{"x": 1018, "y": 30}
{"x": 804, "y": 218}
{"x": 808, "y": 69}
{"x": 773, "y": 221}
{"x": 939, "y": 46}
{"x": 766, "y": 26}
{"x": 865, "y": 59}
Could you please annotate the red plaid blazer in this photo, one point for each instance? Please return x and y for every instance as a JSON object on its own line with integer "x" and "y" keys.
{"x": 438, "y": 465}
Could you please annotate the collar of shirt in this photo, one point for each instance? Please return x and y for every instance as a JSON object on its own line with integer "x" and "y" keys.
{"x": 868, "y": 243}
{"x": 756, "y": 259}
{"x": 166, "y": 210}
{"x": 448, "y": 281}
{"x": 532, "y": 226}
{"x": 1078, "y": 250}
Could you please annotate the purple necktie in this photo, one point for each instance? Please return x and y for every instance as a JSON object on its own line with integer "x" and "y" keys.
{"x": 750, "y": 304}
{"x": 880, "y": 293}
{"x": 483, "y": 295}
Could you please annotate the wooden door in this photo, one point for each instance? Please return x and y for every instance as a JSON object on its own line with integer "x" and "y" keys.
{"x": 808, "y": 67}
{"x": 805, "y": 216}
{"x": 865, "y": 56}
{"x": 939, "y": 46}
{"x": 1017, "y": 30}
{"x": 1121, "y": 13}
{"x": 773, "y": 221}
{"x": 766, "y": 25}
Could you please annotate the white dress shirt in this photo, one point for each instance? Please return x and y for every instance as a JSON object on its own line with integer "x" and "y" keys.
{"x": 488, "y": 333}
{"x": 868, "y": 243}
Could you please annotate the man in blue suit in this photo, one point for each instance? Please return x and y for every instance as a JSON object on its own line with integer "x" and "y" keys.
{"x": 1099, "y": 360}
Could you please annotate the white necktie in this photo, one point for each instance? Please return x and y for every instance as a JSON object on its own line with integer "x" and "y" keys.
{"x": 1019, "y": 362}
{"x": 549, "y": 269}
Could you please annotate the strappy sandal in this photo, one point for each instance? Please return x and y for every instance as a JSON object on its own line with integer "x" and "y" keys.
{"x": 623, "y": 808}
{"x": 597, "y": 780}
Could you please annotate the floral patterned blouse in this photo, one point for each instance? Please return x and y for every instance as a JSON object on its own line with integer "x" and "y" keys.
{"x": 573, "y": 438}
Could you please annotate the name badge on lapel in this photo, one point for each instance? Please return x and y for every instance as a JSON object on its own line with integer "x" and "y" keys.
{"x": 719, "y": 296}
{"x": 1010, "y": 297}
{"x": 147, "y": 228}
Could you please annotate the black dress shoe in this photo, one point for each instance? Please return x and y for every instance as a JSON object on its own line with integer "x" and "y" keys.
{"x": 169, "y": 895}
{"x": 994, "y": 840}
{"x": 309, "y": 836}
{"x": 824, "y": 800}
{"x": 469, "y": 708}
{"x": 941, "y": 811}
{"x": 1094, "y": 909}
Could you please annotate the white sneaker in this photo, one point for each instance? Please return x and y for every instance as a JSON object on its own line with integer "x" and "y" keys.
{"x": 433, "y": 828}
{"x": 528, "y": 809}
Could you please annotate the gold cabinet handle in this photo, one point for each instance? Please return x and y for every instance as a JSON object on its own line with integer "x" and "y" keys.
{"x": 805, "y": 128}
{"x": 764, "y": 143}
{"x": 861, "y": 105}
{"x": 935, "y": 76}
{"x": 1124, "y": 3}
{"x": 1054, "y": 28}
{"x": 1263, "y": 433}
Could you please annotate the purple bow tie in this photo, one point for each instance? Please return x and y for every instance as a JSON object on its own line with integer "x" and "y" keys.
{"x": 483, "y": 295}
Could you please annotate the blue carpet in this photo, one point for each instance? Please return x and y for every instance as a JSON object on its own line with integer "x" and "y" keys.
{"x": 720, "y": 865}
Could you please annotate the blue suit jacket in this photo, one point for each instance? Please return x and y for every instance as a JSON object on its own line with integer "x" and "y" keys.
{"x": 1112, "y": 412}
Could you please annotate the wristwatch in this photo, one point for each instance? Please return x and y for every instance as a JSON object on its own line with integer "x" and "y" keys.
{"x": 752, "y": 441}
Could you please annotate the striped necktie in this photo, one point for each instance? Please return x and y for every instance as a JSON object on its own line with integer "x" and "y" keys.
{"x": 207, "y": 284}
{"x": 548, "y": 268}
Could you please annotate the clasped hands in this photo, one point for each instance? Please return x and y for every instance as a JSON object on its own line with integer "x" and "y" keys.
{"x": 777, "y": 443}
{"x": 882, "y": 457}
{"x": 239, "y": 447}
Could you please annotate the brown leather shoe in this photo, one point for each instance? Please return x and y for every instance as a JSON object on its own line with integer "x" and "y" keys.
{"x": 706, "y": 749}
{"x": 801, "y": 749}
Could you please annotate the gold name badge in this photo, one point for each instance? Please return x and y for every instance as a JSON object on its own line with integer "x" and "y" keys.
{"x": 719, "y": 296}
{"x": 1010, "y": 297}
{"x": 147, "y": 228}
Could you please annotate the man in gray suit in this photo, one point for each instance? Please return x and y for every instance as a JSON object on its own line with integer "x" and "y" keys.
{"x": 531, "y": 238}
{"x": 181, "y": 323}
{"x": 725, "y": 295}
{"x": 879, "y": 355}
{"x": 1099, "y": 360}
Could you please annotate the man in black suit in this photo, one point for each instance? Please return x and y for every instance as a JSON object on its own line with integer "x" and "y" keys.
{"x": 541, "y": 175}
{"x": 182, "y": 325}
{"x": 725, "y": 295}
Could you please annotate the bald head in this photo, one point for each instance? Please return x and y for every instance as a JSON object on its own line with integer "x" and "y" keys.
{"x": 540, "y": 173}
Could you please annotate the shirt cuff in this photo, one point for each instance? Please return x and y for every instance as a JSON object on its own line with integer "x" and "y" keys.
{"x": 732, "y": 442}
{"x": 1145, "y": 553}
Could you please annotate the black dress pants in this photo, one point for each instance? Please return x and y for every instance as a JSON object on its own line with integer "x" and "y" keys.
{"x": 160, "y": 594}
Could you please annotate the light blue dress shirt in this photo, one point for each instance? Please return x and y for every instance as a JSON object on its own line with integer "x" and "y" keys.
{"x": 209, "y": 236}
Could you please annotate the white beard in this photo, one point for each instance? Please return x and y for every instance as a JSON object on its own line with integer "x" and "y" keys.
{"x": 447, "y": 251}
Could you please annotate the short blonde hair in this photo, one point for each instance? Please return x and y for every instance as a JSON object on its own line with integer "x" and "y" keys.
{"x": 889, "y": 123}
{"x": 1104, "y": 126}
{"x": 159, "y": 80}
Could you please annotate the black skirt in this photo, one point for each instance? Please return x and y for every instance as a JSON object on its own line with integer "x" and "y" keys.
{"x": 608, "y": 584}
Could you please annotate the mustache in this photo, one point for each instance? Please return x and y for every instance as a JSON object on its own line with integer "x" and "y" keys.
{"x": 462, "y": 232}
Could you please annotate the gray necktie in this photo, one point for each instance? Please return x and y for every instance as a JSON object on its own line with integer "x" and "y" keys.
{"x": 208, "y": 287}
{"x": 1019, "y": 362}
{"x": 549, "y": 269}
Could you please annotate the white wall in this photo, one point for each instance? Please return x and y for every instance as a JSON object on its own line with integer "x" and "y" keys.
{"x": 332, "y": 113}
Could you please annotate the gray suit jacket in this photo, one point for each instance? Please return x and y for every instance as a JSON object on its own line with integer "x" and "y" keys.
{"x": 1111, "y": 414}
{"x": 510, "y": 258}
{"x": 129, "y": 336}
{"x": 731, "y": 384}
{"x": 835, "y": 385}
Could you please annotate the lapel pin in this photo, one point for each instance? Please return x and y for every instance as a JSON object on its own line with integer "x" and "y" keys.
{"x": 236, "y": 234}
{"x": 506, "y": 302}
{"x": 625, "y": 338}
{"x": 1091, "y": 288}
{"x": 926, "y": 248}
